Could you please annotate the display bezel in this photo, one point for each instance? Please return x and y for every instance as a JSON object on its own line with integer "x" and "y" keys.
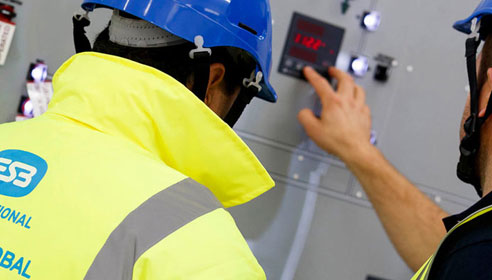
{"x": 296, "y": 55}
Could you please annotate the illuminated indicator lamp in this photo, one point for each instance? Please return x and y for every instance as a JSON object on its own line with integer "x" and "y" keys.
{"x": 7, "y": 12}
{"x": 28, "y": 108}
{"x": 359, "y": 66}
{"x": 38, "y": 72}
{"x": 371, "y": 21}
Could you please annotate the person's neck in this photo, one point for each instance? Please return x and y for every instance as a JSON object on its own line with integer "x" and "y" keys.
{"x": 487, "y": 181}
{"x": 486, "y": 177}
{"x": 486, "y": 190}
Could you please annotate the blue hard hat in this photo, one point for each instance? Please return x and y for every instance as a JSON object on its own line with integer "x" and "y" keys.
{"x": 483, "y": 9}
{"x": 244, "y": 24}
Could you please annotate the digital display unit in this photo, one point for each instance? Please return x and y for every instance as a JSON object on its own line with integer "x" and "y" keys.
{"x": 310, "y": 42}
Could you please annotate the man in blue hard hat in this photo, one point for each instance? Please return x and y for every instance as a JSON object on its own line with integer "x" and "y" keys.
{"x": 413, "y": 222}
{"x": 127, "y": 174}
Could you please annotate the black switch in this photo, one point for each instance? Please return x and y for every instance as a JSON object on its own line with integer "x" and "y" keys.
{"x": 382, "y": 73}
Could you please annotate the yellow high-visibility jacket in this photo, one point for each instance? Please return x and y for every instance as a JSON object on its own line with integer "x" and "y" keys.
{"x": 125, "y": 177}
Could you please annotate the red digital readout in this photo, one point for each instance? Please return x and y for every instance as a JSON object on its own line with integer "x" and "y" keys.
{"x": 310, "y": 28}
{"x": 303, "y": 54}
{"x": 309, "y": 42}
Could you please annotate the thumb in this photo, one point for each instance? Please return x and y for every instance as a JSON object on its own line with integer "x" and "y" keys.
{"x": 309, "y": 121}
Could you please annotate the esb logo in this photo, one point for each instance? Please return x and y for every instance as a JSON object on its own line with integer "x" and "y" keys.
{"x": 20, "y": 172}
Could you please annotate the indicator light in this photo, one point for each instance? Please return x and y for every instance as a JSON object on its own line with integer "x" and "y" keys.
{"x": 359, "y": 66}
{"x": 371, "y": 21}
{"x": 39, "y": 72}
{"x": 28, "y": 108}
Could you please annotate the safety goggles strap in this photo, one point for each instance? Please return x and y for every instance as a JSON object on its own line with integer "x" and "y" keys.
{"x": 201, "y": 58}
{"x": 80, "y": 22}
{"x": 471, "y": 63}
{"x": 237, "y": 109}
{"x": 251, "y": 87}
{"x": 471, "y": 141}
{"x": 488, "y": 111}
{"x": 201, "y": 74}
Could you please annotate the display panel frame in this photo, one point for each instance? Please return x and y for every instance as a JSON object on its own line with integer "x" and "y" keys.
{"x": 310, "y": 42}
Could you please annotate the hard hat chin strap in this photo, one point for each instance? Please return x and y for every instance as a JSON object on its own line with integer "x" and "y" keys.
{"x": 470, "y": 144}
{"x": 80, "y": 22}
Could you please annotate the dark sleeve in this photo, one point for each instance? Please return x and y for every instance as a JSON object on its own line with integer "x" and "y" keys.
{"x": 469, "y": 262}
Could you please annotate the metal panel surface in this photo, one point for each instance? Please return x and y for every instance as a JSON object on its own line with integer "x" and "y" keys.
{"x": 416, "y": 114}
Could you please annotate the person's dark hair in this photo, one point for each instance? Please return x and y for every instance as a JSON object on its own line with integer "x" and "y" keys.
{"x": 175, "y": 60}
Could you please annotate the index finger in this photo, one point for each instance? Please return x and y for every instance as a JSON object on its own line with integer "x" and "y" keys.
{"x": 346, "y": 84}
{"x": 320, "y": 84}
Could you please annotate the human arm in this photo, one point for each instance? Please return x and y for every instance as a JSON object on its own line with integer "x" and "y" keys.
{"x": 412, "y": 221}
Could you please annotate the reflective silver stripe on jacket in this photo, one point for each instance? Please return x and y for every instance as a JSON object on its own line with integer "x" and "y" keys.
{"x": 151, "y": 222}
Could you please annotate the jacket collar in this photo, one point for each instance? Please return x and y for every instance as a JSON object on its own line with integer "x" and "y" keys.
{"x": 129, "y": 100}
{"x": 483, "y": 203}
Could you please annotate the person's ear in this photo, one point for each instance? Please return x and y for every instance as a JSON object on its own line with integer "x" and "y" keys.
{"x": 215, "y": 81}
{"x": 218, "y": 98}
{"x": 486, "y": 90}
{"x": 214, "y": 98}
{"x": 489, "y": 78}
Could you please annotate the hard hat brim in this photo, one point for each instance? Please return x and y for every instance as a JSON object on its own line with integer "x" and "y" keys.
{"x": 465, "y": 24}
{"x": 267, "y": 93}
